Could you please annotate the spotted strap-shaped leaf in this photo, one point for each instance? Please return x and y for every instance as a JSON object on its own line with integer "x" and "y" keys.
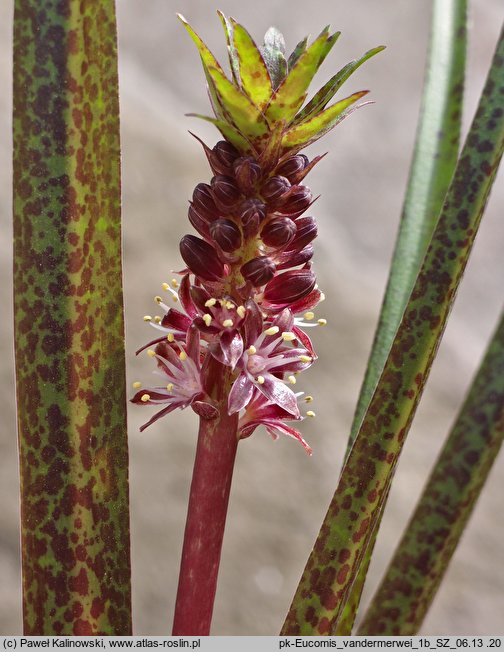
{"x": 434, "y": 160}
{"x": 69, "y": 332}
{"x": 356, "y": 507}
{"x": 436, "y": 527}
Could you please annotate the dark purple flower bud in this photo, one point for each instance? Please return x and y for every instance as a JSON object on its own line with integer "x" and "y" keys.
{"x": 297, "y": 201}
{"x": 225, "y": 191}
{"x": 290, "y": 286}
{"x": 247, "y": 173}
{"x": 201, "y": 258}
{"x": 274, "y": 189}
{"x": 224, "y": 155}
{"x": 200, "y": 224}
{"x": 226, "y": 234}
{"x": 306, "y": 232}
{"x": 252, "y": 212}
{"x": 292, "y": 166}
{"x": 259, "y": 270}
{"x": 278, "y": 232}
{"x": 204, "y": 203}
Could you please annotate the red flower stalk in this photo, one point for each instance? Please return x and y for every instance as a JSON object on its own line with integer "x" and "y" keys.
{"x": 235, "y": 349}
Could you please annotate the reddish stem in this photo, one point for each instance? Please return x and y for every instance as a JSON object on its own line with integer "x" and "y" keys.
{"x": 206, "y": 517}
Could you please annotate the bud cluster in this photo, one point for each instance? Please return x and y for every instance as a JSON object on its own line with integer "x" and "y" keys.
{"x": 248, "y": 278}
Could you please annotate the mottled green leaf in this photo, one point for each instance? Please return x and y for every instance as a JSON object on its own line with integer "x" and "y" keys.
{"x": 357, "y": 504}
{"x": 232, "y": 135}
{"x": 244, "y": 114}
{"x": 291, "y": 93}
{"x": 447, "y": 502}
{"x": 327, "y": 92}
{"x": 69, "y": 331}
{"x": 273, "y": 53}
{"x": 232, "y": 55}
{"x": 314, "y": 128}
{"x": 254, "y": 76}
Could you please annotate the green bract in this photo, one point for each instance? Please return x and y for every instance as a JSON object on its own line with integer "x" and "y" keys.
{"x": 263, "y": 99}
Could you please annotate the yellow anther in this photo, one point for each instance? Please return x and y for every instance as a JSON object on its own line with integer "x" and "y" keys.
{"x": 170, "y": 337}
{"x": 305, "y": 358}
{"x": 174, "y": 283}
{"x": 165, "y": 286}
{"x": 260, "y": 380}
{"x": 241, "y": 311}
{"x": 157, "y": 319}
{"x": 174, "y": 298}
{"x": 183, "y": 356}
{"x": 169, "y": 387}
{"x": 228, "y": 323}
{"x": 147, "y": 318}
{"x": 322, "y": 322}
{"x": 272, "y": 330}
{"x": 287, "y": 336}
{"x": 137, "y": 384}
{"x": 145, "y": 397}
{"x": 308, "y": 399}
{"x": 151, "y": 353}
{"x": 158, "y": 299}
{"x": 251, "y": 350}
{"x": 310, "y": 413}
{"x": 210, "y": 302}
{"x": 292, "y": 380}
{"x": 207, "y": 319}
{"x": 230, "y": 305}
{"x": 309, "y": 316}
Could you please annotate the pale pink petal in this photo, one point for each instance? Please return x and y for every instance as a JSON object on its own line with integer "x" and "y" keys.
{"x": 240, "y": 393}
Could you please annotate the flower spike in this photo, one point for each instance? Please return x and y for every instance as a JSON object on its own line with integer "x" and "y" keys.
{"x": 249, "y": 278}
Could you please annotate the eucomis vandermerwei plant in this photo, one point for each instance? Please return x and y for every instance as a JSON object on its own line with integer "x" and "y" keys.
{"x": 234, "y": 340}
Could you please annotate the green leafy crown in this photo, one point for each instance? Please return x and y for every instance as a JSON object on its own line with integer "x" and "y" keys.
{"x": 259, "y": 110}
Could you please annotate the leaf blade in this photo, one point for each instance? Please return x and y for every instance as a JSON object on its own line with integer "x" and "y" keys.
{"x": 233, "y": 135}
{"x": 254, "y": 75}
{"x": 317, "y": 126}
{"x": 289, "y": 96}
{"x": 69, "y": 321}
{"x": 232, "y": 55}
{"x": 432, "y": 534}
{"x": 327, "y": 92}
{"x": 433, "y": 163}
{"x": 371, "y": 462}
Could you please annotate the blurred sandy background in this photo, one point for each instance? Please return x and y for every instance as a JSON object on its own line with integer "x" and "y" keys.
{"x": 280, "y": 495}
